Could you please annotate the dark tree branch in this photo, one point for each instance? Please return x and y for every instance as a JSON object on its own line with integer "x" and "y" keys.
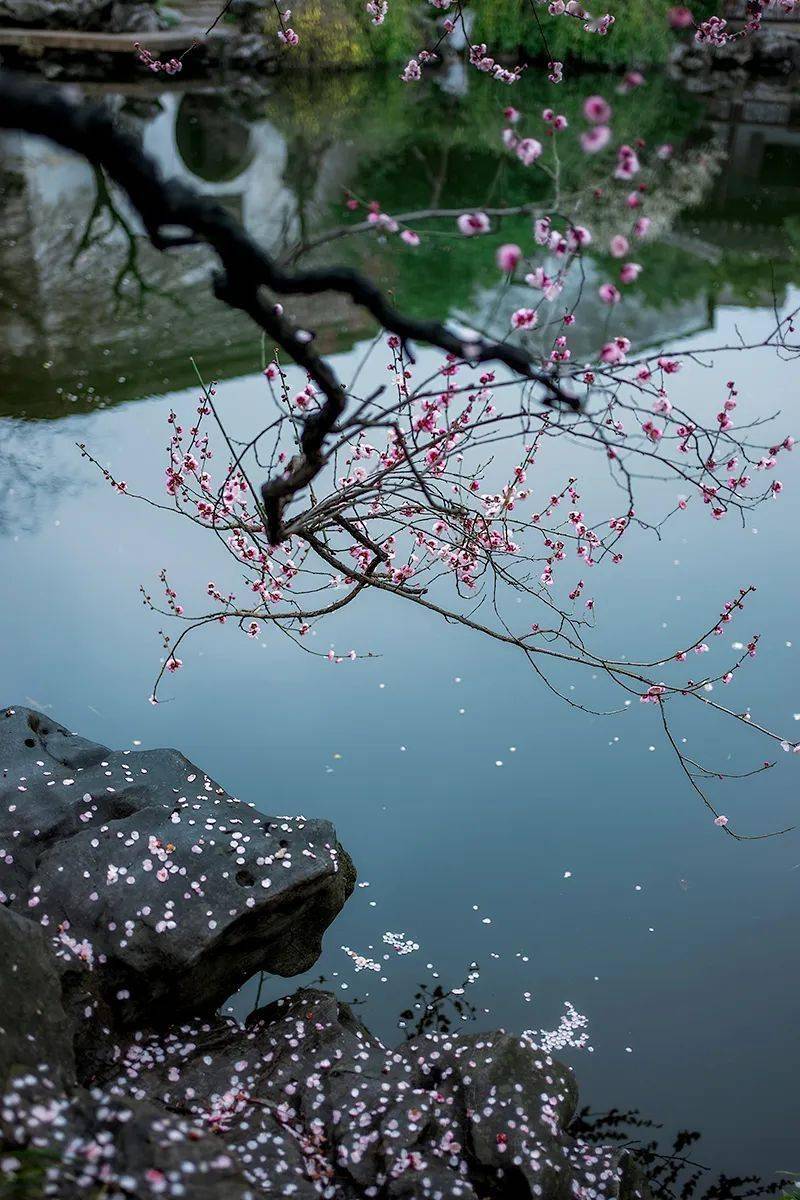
{"x": 175, "y": 215}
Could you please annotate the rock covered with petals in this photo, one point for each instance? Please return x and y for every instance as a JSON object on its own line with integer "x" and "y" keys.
{"x": 140, "y": 868}
{"x": 88, "y": 1143}
{"x": 303, "y": 1101}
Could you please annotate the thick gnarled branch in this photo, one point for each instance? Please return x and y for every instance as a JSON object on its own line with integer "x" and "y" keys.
{"x": 175, "y": 215}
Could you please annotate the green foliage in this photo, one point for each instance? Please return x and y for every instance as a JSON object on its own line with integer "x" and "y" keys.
{"x": 325, "y": 107}
{"x": 640, "y": 35}
{"x": 340, "y": 34}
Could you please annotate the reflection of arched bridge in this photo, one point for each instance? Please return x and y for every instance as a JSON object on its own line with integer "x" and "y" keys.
{"x": 202, "y": 140}
{"x": 60, "y": 305}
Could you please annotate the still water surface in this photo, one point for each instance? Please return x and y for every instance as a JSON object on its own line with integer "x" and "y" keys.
{"x": 464, "y": 792}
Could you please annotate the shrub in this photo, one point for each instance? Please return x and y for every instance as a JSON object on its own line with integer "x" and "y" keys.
{"x": 640, "y": 36}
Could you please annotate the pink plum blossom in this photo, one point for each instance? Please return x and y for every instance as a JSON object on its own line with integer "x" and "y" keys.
{"x": 680, "y": 17}
{"x": 473, "y": 224}
{"x": 597, "y": 110}
{"x": 596, "y": 139}
{"x": 524, "y": 318}
{"x": 631, "y": 80}
{"x": 613, "y": 353}
{"x": 713, "y": 32}
{"x": 578, "y": 236}
{"x": 508, "y": 257}
{"x": 630, "y": 272}
{"x": 528, "y": 150}
{"x": 627, "y": 163}
{"x": 538, "y": 278}
{"x": 609, "y": 294}
{"x": 541, "y": 230}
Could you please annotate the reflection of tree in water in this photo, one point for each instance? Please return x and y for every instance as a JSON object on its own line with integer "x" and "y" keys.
{"x": 106, "y": 219}
{"x": 436, "y": 1009}
{"x": 131, "y": 317}
{"x": 29, "y": 478}
{"x": 673, "y": 1170}
{"x": 446, "y": 152}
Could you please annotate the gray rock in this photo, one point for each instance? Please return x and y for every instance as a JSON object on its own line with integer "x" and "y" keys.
{"x": 52, "y": 14}
{"x": 249, "y": 52}
{"x": 303, "y": 1101}
{"x": 119, "y": 16}
{"x": 305, "y": 1095}
{"x": 149, "y": 873}
{"x": 34, "y": 1027}
{"x": 133, "y": 18}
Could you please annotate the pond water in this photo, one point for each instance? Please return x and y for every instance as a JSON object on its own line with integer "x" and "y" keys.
{"x": 492, "y": 823}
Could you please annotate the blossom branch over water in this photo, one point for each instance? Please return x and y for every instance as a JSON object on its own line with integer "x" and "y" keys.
{"x": 406, "y": 489}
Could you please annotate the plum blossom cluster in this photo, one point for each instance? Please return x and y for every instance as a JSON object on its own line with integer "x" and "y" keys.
{"x": 169, "y": 67}
{"x": 378, "y": 10}
{"x": 715, "y": 31}
{"x": 479, "y": 55}
{"x": 382, "y": 222}
{"x": 483, "y": 61}
{"x": 571, "y": 8}
{"x": 286, "y": 35}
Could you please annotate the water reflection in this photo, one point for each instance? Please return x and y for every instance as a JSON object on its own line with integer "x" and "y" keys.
{"x": 94, "y": 316}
